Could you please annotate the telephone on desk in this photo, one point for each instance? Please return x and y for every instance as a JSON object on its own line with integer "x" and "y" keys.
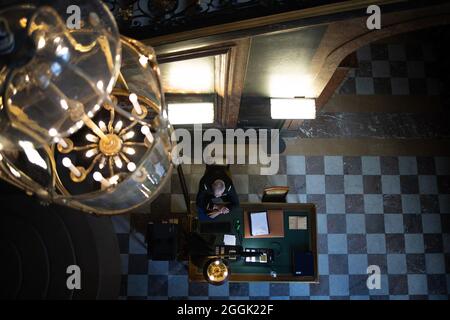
{"x": 251, "y": 255}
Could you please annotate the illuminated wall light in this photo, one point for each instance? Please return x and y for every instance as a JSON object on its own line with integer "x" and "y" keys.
{"x": 290, "y": 85}
{"x": 90, "y": 114}
{"x": 79, "y": 124}
{"x": 296, "y": 108}
{"x": 191, "y": 113}
{"x": 189, "y": 76}
{"x": 96, "y": 107}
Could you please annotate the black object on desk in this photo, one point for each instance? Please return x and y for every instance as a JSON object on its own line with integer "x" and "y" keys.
{"x": 215, "y": 227}
{"x": 303, "y": 263}
{"x": 162, "y": 241}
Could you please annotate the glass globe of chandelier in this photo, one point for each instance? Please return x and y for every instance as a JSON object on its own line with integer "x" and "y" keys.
{"x": 84, "y": 123}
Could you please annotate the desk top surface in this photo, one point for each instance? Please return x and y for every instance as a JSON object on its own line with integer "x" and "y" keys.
{"x": 304, "y": 240}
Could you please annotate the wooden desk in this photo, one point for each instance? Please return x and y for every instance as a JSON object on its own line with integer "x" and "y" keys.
{"x": 302, "y": 239}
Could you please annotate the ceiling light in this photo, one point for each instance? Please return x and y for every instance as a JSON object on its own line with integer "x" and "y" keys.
{"x": 189, "y": 76}
{"x": 297, "y": 108}
{"x": 191, "y": 113}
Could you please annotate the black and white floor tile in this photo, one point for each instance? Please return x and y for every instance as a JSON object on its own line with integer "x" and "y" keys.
{"x": 393, "y": 212}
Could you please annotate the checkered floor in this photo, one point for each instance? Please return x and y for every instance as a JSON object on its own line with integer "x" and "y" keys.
{"x": 394, "y": 69}
{"x": 393, "y": 212}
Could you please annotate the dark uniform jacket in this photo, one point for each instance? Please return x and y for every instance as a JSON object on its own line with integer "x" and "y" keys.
{"x": 205, "y": 195}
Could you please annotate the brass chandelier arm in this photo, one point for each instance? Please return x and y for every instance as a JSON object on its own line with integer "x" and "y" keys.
{"x": 111, "y": 120}
{"x": 86, "y": 147}
{"x": 133, "y": 143}
{"x": 93, "y": 163}
{"x": 104, "y": 45}
{"x": 75, "y": 44}
{"x": 124, "y": 157}
{"x": 91, "y": 125}
{"x": 6, "y": 174}
{"x": 57, "y": 181}
{"x": 126, "y": 129}
{"x": 111, "y": 166}
{"x": 123, "y": 81}
{"x": 78, "y": 46}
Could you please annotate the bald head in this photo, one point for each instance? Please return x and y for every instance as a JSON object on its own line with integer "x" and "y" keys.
{"x": 218, "y": 187}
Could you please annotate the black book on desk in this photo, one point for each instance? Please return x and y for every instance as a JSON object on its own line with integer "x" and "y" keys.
{"x": 303, "y": 263}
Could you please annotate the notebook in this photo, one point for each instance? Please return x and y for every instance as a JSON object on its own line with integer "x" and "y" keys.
{"x": 297, "y": 223}
{"x": 276, "y": 225}
{"x": 259, "y": 224}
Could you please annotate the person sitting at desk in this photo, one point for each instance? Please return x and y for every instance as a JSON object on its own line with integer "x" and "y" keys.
{"x": 216, "y": 195}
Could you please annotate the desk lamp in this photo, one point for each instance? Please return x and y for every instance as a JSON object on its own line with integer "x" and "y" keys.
{"x": 216, "y": 271}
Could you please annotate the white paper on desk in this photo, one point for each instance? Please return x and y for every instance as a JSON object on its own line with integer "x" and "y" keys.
{"x": 259, "y": 223}
{"x": 229, "y": 240}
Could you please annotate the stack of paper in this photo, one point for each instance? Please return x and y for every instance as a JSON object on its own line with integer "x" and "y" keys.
{"x": 259, "y": 224}
{"x": 229, "y": 240}
{"x": 297, "y": 223}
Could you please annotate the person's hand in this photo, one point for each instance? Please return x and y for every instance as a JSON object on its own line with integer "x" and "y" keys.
{"x": 214, "y": 214}
{"x": 224, "y": 210}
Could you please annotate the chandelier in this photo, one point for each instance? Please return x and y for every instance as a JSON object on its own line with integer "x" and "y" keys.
{"x": 82, "y": 113}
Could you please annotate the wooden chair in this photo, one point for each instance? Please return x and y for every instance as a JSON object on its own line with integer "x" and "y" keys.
{"x": 275, "y": 194}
